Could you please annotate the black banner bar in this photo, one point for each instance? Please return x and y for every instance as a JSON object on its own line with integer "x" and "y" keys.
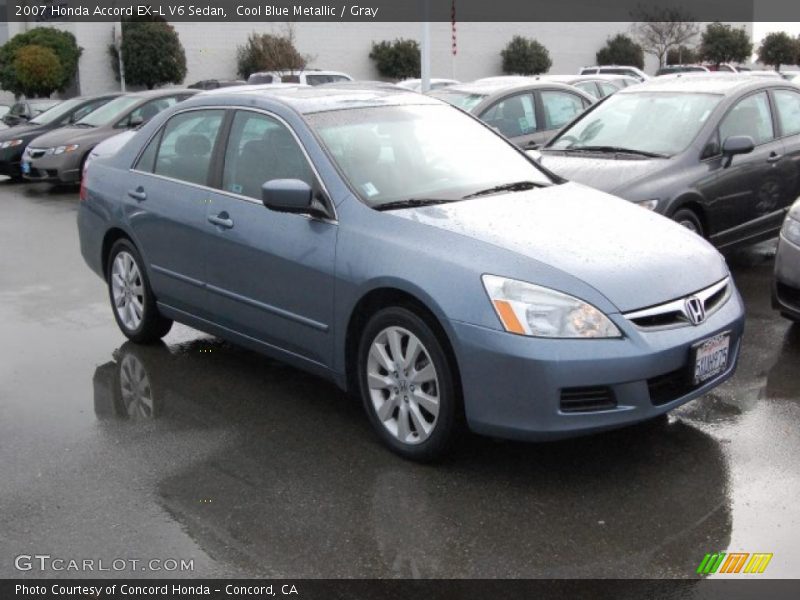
{"x": 403, "y": 10}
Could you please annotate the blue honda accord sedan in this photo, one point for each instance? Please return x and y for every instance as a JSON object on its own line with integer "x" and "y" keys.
{"x": 404, "y": 250}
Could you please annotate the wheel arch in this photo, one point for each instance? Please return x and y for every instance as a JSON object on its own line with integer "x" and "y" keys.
{"x": 109, "y": 239}
{"x": 694, "y": 202}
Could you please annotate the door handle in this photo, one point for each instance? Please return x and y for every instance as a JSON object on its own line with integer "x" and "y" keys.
{"x": 774, "y": 157}
{"x": 221, "y": 220}
{"x": 532, "y": 146}
{"x": 138, "y": 194}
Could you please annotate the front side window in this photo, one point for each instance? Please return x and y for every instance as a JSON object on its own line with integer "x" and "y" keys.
{"x": 589, "y": 87}
{"x": 513, "y": 117}
{"x": 148, "y": 110}
{"x": 607, "y": 88}
{"x": 183, "y": 149}
{"x": 421, "y": 152}
{"x": 788, "y": 107}
{"x": 560, "y": 108}
{"x": 109, "y": 112}
{"x": 750, "y": 117}
{"x": 663, "y": 123}
{"x": 261, "y": 149}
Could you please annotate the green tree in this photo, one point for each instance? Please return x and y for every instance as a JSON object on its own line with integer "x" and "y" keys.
{"x": 269, "y": 52}
{"x": 724, "y": 43}
{"x": 61, "y": 43}
{"x": 777, "y": 49}
{"x": 524, "y": 56}
{"x": 396, "y": 60}
{"x": 621, "y": 50}
{"x": 682, "y": 55}
{"x": 38, "y": 70}
{"x": 151, "y": 53}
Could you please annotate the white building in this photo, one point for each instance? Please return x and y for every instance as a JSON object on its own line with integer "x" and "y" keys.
{"x": 345, "y": 46}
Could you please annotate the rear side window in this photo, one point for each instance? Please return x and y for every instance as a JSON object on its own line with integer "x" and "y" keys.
{"x": 261, "y": 149}
{"x": 513, "y": 117}
{"x": 788, "y": 108}
{"x": 184, "y": 146}
{"x": 560, "y": 108}
{"x": 750, "y": 117}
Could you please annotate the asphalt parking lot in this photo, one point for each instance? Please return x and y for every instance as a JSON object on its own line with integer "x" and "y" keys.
{"x": 250, "y": 468}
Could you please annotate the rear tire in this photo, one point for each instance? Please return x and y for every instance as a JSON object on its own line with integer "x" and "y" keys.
{"x": 407, "y": 385}
{"x": 132, "y": 300}
{"x": 688, "y": 218}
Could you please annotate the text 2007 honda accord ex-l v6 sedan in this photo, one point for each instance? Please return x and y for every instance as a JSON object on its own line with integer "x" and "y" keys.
{"x": 404, "y": 250}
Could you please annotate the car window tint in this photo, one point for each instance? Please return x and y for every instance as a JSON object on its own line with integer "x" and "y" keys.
{"x": 261, "y": 149}
{"x": 750, "y": 117}
{"x": 607, "y": 88}
{"x": 560, "y": 108}
{"x": 186, "y": 144}
{"x": 788, "y": 106}
{"x": 589, "y": 87}
{"x": 513, "y": 117}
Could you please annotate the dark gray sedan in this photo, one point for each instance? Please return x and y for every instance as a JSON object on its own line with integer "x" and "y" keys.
{"x": 58, "y": 156}
{"x": 404, "y": 250}
{"x": 786, "y": 291}
{"x": 720, "y": 154}
{"x": 526, "y": 111}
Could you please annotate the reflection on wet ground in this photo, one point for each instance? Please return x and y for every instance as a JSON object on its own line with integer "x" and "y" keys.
{"x": 198, "y": 449}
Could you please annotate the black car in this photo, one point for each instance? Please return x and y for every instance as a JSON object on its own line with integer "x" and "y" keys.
{"x": 14, "y": 140}
{"x": 720, "y": 154}
{"x": 26, "y": 109}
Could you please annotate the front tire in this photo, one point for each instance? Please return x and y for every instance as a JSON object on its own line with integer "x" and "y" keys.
{"x": 407, "y": 384}
{"x": 132, "y": 300}
{"x": 690, "y": 220}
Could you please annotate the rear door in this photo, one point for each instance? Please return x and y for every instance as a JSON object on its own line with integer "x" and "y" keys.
{"x": 787, "y": 109}
{"x": 166, "y": 203}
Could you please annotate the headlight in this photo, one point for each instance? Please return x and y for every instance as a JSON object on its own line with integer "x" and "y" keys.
{"x": 528, "y": 309}
{"x": 649, "y": 204}
{"x": 62, "y": 149}
{"x": 11, "y": 143}
{"x": 791, "y": 230}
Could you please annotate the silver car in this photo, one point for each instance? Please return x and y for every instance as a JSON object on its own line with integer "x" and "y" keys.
{"x": 786, "y": 291}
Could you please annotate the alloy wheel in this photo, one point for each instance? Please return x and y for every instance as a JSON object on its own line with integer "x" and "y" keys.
{"x": 127, "y": 290}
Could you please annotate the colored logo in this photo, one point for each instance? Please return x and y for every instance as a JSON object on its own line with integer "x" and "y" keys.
{"x": 735, "y": 562}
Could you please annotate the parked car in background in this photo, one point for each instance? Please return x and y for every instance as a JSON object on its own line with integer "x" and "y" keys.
{"x": 594, "y": 85}
{"x": 789, "y": 75}
{"x": 261, "y": 87}
{"x": 765, "y": 74}
{"x": 615, "y": 70}
{"x": 526, "y": 111}
{"x": 58, "y": 156}
{"x": 307, "y": 77}
{"x": 416, "y": 84}
{"x": 13, "y": 141}
{"x": 24, "y": 110}
{"x": 534, "y": 308}
{"x": 213, "y": 84}
{"x": 720, "y": 154}
{"x": 786, "y": 289}
{"x": 362, "y": 85}
{"x": 672, "y": 69}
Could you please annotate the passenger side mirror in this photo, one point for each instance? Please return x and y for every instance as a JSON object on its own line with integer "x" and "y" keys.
{"x": 288, "y": 195}
{"x": 736, "y": 144}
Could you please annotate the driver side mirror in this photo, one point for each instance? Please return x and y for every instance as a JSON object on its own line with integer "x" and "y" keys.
{"x": 736, "y": 144}
{"x": 291, "y": 196}
{"x": 135, "y": 121}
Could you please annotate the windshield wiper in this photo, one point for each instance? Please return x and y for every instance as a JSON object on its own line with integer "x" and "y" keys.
{"x": 517, "y": 186}
{"x": 618, "y": 149}
{"x": 411, "y": 203}
{"x": 82, "y": 125}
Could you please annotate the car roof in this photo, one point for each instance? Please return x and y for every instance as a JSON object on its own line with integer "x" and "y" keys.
{"x": 161, "y": 92}
{"x": 307, "y": 100}
{"x": 702, "y": 82}
{"x": 489, "y": 88}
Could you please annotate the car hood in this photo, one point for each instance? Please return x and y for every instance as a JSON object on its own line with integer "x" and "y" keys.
{"x": 634, "y": 257}
{"x": 20, "y": 131}
{"x": 607, "y": 174}
{"x": 73, "y": 135}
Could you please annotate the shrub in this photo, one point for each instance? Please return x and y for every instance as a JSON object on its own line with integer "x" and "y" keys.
{"x": 151, "y": 53}
{"x": 399, "y": 59}
{"x": 682, "y": 55}
{"x": 62, "y": 45}
{"x": 38, "y": 70}
{"x": 723, "y": 43}
{"x": 525, "y": 56}
{"x": 621, "y": 50}
{"x": 269, "y": 52}
{"x": 778, "y": 49}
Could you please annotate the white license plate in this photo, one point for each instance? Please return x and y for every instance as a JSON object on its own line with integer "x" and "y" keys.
{"x": 711, "y": 357}
{"x": 26, "y": 167}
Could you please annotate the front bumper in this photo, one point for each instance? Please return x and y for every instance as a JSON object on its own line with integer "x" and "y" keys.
{"x": 786, "y": 287}
{"x": 54, "y": 168}
{"x": 513, "y": 385}
{"x": 10, "y": 161}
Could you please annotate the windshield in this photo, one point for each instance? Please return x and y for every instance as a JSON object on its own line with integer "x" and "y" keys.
{"x": 662, "y": 123}
{"x": 398, "y": 153}
{"x": 58, "y": 111}
{"x": 462, "y": 100}
{"x": 109, "y": 113}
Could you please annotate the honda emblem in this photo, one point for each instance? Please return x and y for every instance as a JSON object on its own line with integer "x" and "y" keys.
{"x": 694, "y": 309}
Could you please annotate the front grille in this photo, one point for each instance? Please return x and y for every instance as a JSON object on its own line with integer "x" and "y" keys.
{"x": 788, "y": 296}
{"x": 587, "y": 399}
{"x": 674, "y": 313}
{"x": 52, "y": 173}
{"x": 670, "y": 386}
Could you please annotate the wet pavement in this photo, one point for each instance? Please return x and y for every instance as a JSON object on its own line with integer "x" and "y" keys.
{"x": 199, "y": 450}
